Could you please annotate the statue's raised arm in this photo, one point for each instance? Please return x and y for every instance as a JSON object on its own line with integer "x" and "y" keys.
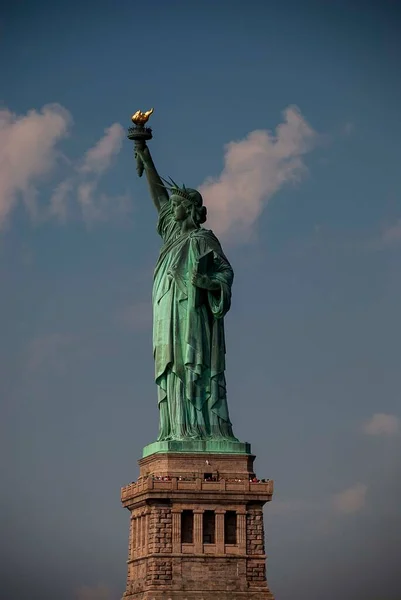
{"x": 158, "y": 191}
{"x": 140, "y": 134}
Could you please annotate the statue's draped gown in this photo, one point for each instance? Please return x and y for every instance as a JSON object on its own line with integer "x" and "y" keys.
{"x": 188, "y": 335}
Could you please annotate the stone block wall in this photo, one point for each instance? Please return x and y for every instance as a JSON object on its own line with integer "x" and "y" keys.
{"x": 255, "y": 537}
{"x": 256, "y": 573}
{"x": 159, "y": 572}
{"x": 160, "y": 530}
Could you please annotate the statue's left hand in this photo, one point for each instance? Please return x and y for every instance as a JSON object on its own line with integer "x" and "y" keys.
{"x": 203, "y": 281}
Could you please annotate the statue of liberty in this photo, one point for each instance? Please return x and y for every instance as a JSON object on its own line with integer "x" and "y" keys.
{"x": 191, "y": 295}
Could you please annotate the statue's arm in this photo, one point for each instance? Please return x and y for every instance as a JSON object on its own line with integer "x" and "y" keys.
{"x": 205, "y": 282}
{"x": 222, "y": 273}
{"x": 157, "y": 189}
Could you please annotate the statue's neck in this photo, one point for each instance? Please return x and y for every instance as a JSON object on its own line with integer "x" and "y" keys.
{"x": 187, "y": 226}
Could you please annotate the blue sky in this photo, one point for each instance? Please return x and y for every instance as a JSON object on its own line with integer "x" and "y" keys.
{"x": 309, "y": 213}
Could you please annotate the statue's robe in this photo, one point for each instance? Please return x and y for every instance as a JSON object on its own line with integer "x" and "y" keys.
{"x": 188, "y": 335}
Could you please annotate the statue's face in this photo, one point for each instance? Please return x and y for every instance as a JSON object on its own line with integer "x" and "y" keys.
{"x": 179, "y": 211}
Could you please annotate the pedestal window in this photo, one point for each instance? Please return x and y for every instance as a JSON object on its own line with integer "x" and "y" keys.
{"x": 187, "y": 527}
{"x": 209, "y": 527}
{"x": 230, "y": 527}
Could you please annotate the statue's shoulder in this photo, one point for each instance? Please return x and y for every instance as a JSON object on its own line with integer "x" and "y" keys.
{"x": 202, "y": 232}
{"x": 208, "y": 238}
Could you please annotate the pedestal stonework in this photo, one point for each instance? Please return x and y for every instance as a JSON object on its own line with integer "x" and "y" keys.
{"x": 196, "y": 528}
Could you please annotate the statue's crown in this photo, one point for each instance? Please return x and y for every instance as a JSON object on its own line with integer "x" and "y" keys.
{"x": 185, "y": 193}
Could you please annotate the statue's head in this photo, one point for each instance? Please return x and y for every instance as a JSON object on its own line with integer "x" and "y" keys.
{"x": 187, "y": 203}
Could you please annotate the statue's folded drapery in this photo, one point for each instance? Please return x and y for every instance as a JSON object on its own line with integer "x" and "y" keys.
{"x": 188, "y": 335}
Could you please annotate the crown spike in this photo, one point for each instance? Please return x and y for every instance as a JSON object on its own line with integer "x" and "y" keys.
{"x": 167, "y": 183}
{"x": 174, "y": 183}
{"x": 173, "y": 188}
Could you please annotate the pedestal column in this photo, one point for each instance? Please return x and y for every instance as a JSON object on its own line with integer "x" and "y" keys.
{"x": 145, "y": 530}
{"x": 241, "y": 531}
{"x": 198, "y": 531}
{"x": 176, "y": 530}
{"x": 132, "y": 539}
{"x": 220, "y": 512}
{"x": 138, "y": 535}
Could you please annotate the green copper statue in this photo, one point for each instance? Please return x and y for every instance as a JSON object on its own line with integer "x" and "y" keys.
{"x": 191, "y": 295}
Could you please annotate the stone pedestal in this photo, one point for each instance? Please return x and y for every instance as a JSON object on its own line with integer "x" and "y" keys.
{"x": 196, "y": 528}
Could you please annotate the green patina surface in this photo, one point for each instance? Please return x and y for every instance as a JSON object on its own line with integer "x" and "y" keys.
{"x": 191, "y": 295}
{"x": 193, "y": 446}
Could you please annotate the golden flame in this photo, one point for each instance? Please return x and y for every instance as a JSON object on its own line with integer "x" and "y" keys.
{"x": 140, "y": 118}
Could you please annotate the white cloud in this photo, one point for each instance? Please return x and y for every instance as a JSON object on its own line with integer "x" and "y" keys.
{"x": 351, "y": 500}
{"x": 85, "y": 191}
{"x": 98, "y": 592}
{"x": 382, "y": 424}
{"x": 255, "y": 169}
{"x": 392, "y": 233}
{"x": 59, "y": 198}
{"x": 28, "y": 153}
{"x": 84, "y": 182}
{"x": 98, "y": 158}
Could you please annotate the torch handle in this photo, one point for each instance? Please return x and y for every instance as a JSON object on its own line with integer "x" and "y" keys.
{"x": 139, "y": 166}
{"x": 139, "y": 145}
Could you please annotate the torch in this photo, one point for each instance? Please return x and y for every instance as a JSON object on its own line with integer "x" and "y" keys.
{"x": 140, "y": 134}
